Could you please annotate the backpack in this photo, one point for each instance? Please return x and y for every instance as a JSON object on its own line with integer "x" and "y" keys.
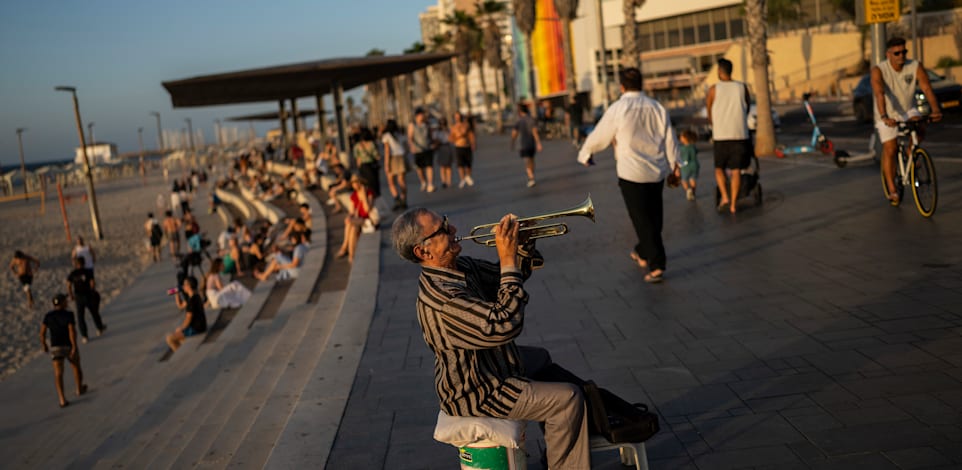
{"x": 617, "y": 420}
{"x": 155, "y": 232}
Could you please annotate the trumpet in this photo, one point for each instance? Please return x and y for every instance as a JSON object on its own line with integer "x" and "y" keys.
{"x": 532, "y": 227}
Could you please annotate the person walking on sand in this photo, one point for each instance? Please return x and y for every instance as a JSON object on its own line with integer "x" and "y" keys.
{"x": 63, "y": 345}
{"x": 527, "y": 130}
{"x": 172, "y": 232}
{"x": 727, "y": 103}
{"x": 83, "y": 291}
{"x": 84, "y": 251}
{"x": 463, "y": 138}
{"x": 154, "y": 235}
{"x": 23, "y": 266}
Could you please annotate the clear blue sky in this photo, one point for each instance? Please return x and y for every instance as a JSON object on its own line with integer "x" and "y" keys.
{"x": 116, "y": 52}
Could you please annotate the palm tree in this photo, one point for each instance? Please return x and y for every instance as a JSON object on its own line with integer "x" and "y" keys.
{"x": 465, "y": 45}
{"x": 377, "y": 94}
{"x": 630, "y": 52}
{"x": 524, "y": 15}
{"x": 443, "y": 72}
{"x": 568, "y": 12}
{"x": 421, "y": 79}
{"x": 758, "y": 42}
{"x": 489, "y": 11}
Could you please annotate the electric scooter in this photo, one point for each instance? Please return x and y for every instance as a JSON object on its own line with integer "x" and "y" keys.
{"x": 819, "y": 143}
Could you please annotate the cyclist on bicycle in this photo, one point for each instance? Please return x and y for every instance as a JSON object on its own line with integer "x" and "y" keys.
{"x": 893, "y": 84}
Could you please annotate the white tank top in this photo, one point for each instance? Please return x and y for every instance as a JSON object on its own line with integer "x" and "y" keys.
{"x": 729, "y": 113}
{"x": 899, "y": 90}
{"x": 84, "y": 252}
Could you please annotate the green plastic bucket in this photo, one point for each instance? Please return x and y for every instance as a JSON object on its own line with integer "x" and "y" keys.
{"x": 488, "y": 455}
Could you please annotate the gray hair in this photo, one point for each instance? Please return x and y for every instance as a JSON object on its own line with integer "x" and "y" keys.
{"x": 406, "y": 233}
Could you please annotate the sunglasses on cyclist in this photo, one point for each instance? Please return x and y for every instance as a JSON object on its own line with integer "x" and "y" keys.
{"x": 902, "y": 52}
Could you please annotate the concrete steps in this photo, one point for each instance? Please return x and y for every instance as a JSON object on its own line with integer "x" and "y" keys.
{"x": 310, "y": 430}
{"x": 256, "y": 445}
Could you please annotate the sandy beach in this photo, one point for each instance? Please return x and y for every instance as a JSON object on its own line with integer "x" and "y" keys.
{"x": 121, "y": 256}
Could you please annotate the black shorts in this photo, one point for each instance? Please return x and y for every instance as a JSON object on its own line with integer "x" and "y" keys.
{"x": 733, "y": 154}
{"x": 26, "y": 279}
{"x": 59, "y": 352}
{"x": 424, "y": 159}
{"x": 464, "y": 156}
{"x": 527, "y": 153}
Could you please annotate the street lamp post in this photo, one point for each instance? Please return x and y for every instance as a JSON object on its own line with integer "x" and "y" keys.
{"x": 91, "y": 193}
{"x": 23, "y": 165}
{"x": 143, "y": 172}
{"x": 190, "y": 140}
{"x": 160, "y": 132}
{"x": 90, "y": 133}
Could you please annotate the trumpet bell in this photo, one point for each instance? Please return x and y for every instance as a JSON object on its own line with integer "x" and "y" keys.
{"x": 532, "y": 227}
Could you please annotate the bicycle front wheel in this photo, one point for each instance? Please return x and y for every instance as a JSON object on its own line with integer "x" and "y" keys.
{"x": 924, "y": 185}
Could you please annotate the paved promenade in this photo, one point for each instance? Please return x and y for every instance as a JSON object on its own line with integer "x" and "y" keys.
{"x": 822, "y": 330}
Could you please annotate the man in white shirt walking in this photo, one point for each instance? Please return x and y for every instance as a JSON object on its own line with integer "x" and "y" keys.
{"x": 728, "y": 103}
{"x": 647, "y": 152}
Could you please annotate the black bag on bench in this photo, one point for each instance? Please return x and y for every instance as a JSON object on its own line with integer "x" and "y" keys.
{"x": 616, "y": 419}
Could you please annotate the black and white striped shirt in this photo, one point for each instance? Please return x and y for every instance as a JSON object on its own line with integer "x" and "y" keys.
{"x": 470, "y": 318}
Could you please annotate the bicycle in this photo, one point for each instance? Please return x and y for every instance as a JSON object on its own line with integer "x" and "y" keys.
{"x": 914, "y": 167}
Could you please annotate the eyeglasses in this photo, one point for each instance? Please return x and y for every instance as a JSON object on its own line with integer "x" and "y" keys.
{"x": 902, "y": 52}
{"x": 442, "y": 229}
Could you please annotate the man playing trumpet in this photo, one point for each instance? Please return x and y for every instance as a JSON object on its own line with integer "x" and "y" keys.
{"x": 470, "y": 312}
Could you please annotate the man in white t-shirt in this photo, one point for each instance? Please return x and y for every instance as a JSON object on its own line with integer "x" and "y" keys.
{"x": 893, "y": 85}
{"x": 728, "y": 103}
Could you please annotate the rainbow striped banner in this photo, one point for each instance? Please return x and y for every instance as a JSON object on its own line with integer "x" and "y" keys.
{"x": 548, "y": 50}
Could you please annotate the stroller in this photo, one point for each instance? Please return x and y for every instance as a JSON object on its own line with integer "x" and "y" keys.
{"x": 750, "y": 185}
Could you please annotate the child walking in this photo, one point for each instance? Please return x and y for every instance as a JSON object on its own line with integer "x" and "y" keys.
{"x": 689, "y": 163}
{"x": 63, "y": 345}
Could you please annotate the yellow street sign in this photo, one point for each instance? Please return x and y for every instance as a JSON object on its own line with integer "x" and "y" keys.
{"x": 881, "y": 11}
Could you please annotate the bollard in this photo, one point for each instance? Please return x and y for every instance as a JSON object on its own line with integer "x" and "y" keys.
{"x": 488, "y": 455}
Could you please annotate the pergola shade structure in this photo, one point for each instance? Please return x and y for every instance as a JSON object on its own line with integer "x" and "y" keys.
{"x": 272, "y": 116}
{"x": 294, "y": 80}
{"x": 289, "y": 82}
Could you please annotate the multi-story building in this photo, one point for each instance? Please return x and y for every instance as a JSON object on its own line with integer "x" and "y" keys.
{"x": 681, "y": 41}
{"x": 432, "y": 23}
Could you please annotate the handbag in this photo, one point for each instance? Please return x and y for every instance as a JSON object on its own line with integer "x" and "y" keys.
{"x": 374, "y": 216}
{"x": 617, "y": 420}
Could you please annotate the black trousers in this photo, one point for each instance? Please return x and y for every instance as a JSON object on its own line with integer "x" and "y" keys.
{"x": 645, "y": 207}
{"x": 93, "y": 304}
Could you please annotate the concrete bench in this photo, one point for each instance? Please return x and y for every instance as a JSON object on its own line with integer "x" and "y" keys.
{"x": 237, "y": 201}
{"x": 269, "y": 211}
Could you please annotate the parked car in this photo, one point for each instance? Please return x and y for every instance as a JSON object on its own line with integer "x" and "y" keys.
{"x": 946, "y": 91}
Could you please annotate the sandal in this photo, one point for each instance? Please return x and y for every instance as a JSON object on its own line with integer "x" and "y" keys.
{"x": 83, "y": 390}
{"x": 64, "y": 404}
{"x": 654, "y": 278}
{"x": 634, "y": 256}
{"x": 723, "y": 205}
